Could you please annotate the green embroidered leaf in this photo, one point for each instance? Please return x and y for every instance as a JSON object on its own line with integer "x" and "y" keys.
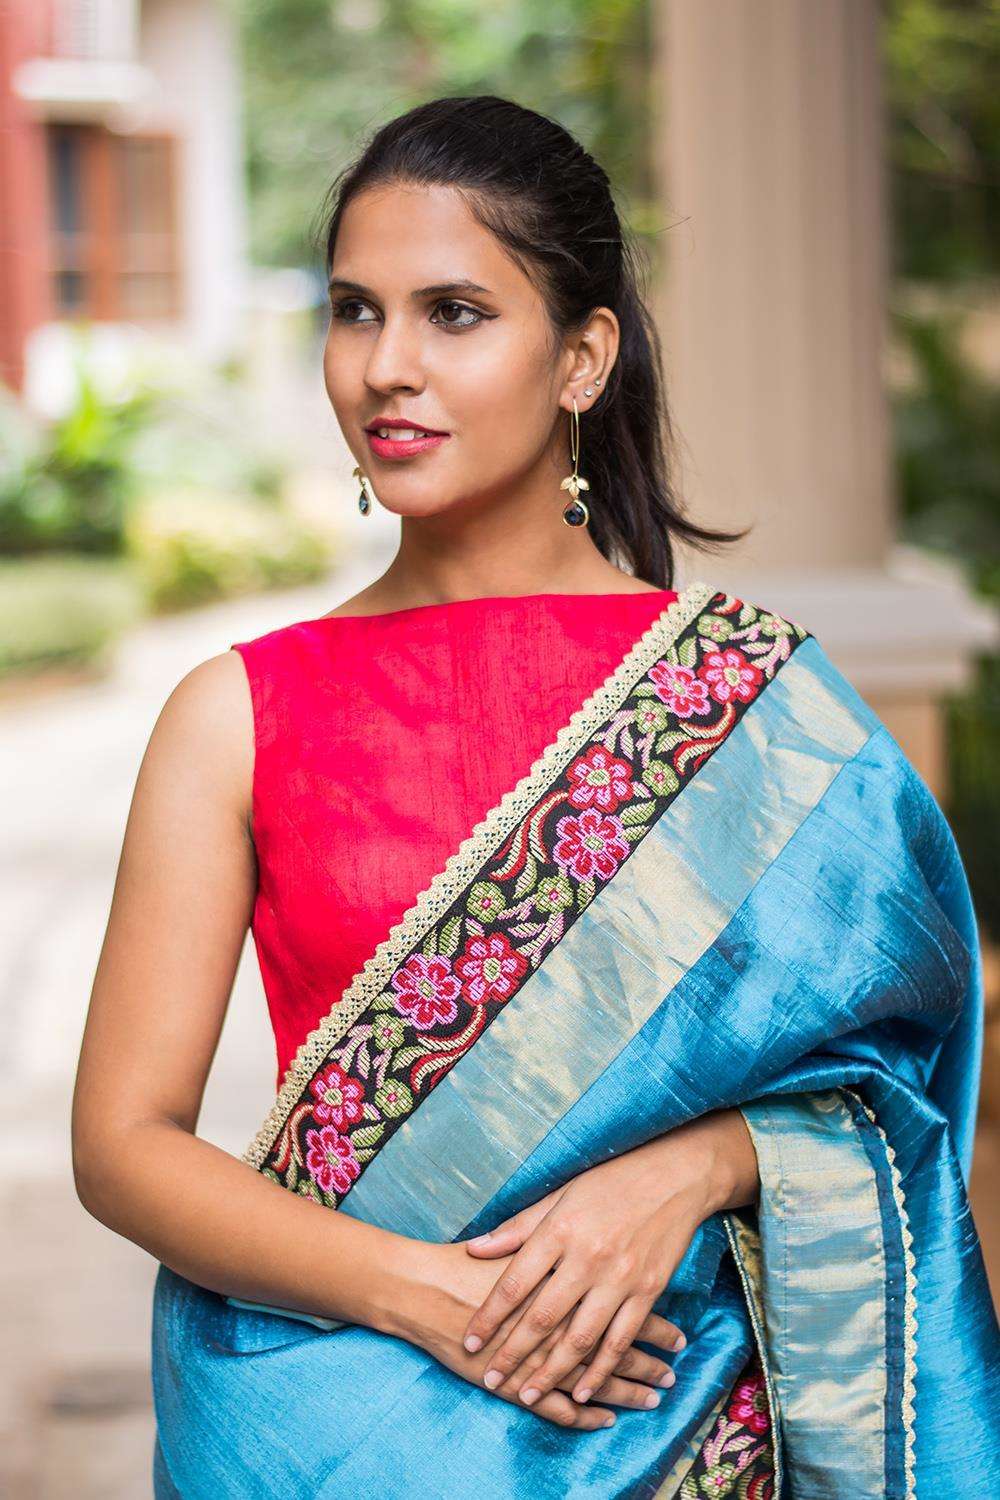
{"x": 367, "y": 1135}
{"x": 687, "y": 651}
{"x": 747, "y": 613}
{"x": 450, "y": 934}
{"x": 637, "y": 812}
{"x": 644, "y": 690}
{"x": 668, "y": 739}
{"x": 635, "y": 834}
{"x": 584, "y": 893}
{"x": 406, "y": 1055}
{"x": 429, "y": 947}
{"x": 384, "y": 1002}
{"x": 308, "y": 1189}
{"x": 526, "y": 879}
{"x": 328, "y": 1199}
{"x": 270, "y": 1172}
{"x": 292, "y": 1175}
{"x": 364, "y": 1156}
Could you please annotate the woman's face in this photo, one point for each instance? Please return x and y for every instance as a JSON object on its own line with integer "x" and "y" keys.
{"x": 475, "y": 362}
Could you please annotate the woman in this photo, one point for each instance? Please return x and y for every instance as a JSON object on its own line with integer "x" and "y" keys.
{"x": 598, "y": 918}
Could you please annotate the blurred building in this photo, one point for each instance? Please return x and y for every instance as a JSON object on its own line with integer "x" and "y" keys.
{"x": 121, "y": 182}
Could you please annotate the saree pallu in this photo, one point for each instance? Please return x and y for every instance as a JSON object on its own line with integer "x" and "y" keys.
{"x": 722, "y": 885}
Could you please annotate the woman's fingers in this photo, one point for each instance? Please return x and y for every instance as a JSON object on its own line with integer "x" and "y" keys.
{"x": 637, "y": 1366}
{"x": 544, "y": 1315}
{"x": 616, "y": 1391}
{"x": 555, "y": 1406}
{"x": 662, "y": 1333}
{"x": 510, "y": 1234}
{"x": 565, "y": 1412}
{"x": 521, "y": 1277}
{"x": 621, "y": 1331}
{"x": 579, "y": 1339}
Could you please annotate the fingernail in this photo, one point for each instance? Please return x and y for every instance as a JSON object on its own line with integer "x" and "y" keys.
{"x": 480, "y": 1239}
{"x": 472, "y": 1343}
{"x": 530, "y": 1395}
{"x": 679, "y": 1342}
{"x": 492, "y": 1379}
{"x": 667, "y": 1378}
{"x": 609, "y": 1420}
{"x": 585, "y": 1394}
{"x": 653, "y": 1399}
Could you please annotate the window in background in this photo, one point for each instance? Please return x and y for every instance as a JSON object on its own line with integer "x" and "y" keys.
{"x": 114, "y": 224}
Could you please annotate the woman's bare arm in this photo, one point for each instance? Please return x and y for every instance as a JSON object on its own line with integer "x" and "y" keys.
{"x": 181, "y": 907}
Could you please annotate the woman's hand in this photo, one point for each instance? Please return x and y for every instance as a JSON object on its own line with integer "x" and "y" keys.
{"x": 611, "y": 1239}
{"x": 450, "y": 1284}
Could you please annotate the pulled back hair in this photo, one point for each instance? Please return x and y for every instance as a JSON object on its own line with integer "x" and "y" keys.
{"x": 528, "y": 181}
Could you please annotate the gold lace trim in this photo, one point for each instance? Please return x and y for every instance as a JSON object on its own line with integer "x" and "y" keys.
{"x": 434, "y": 901}
{"x": 908, "y": 1410}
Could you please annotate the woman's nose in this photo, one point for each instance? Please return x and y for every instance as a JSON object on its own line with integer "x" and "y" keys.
{"x": 395, "y": 358}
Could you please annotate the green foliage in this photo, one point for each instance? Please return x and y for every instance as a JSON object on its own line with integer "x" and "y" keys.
{"x": 321, "y": 77}
{"x": 942, "y": 66}
{"x": 193, "y": 546}
{"x": 69, "y": 486}
{"x": 947, "y": 447}
{"x": 60, "y": 610}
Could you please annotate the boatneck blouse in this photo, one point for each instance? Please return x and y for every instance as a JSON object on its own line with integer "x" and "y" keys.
{"x": 380, "y": 741}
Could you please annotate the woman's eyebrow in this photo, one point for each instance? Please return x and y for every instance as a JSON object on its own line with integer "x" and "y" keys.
{"x": 440, "y": 288}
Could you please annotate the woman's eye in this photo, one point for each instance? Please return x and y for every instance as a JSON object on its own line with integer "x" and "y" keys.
{"x": 340, "y": 311}
{"x": 462, "y": 307}
{"x": 345, "y": 302}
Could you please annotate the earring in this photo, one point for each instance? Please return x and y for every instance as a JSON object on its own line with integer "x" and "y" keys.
{"x": 576, "y": 513}
{"x": 365, "y": 498}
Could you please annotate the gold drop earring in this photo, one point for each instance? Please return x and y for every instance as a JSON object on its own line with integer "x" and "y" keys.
{"x": 576, "y": 512}
{"x": 366, "y": 496}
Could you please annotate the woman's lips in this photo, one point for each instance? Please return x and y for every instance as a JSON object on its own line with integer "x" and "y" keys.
{"x": 404, "y": 447}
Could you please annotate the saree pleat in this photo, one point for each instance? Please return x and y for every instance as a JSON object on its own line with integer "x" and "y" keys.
{"x": 786, "y": 929}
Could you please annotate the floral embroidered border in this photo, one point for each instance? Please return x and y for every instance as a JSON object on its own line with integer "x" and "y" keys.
{"x": 526, "y": 893}
{"x": 737, "y": 1457}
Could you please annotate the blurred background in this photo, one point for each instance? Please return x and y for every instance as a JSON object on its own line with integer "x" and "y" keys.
{"x": 817, "y": 192}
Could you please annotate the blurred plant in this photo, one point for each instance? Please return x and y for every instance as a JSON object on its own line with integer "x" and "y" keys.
{"x": 320, "y": 76}
{"x": 942, "y": 65}
{"x": 70, "y": 486}
{"x": 60, "y": 610}
{"x": 190, "y": 547}
{"x": 947, "y": 447}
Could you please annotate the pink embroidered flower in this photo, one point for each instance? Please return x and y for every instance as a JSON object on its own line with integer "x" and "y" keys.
{"x": 592, "y": 844}
{"x": 330, "y": 1159}
{"x": 749, "y": 1404}
{"x": 426, "y": 990}
{"x": 729, "y": 675}
{"x": 679, "y": 689}
{"x": 489, "y": 968}
{"x": 599, "y": 779}
{"x": 338, "y": 1097}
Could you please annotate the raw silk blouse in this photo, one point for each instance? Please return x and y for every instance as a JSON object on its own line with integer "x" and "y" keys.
{"x": 380, "y": 742}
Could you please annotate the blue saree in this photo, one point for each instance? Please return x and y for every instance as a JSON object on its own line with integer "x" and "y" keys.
{"x": 722, "y": 885}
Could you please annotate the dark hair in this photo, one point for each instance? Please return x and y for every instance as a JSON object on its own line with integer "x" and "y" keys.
{"x": 528, "y": 181}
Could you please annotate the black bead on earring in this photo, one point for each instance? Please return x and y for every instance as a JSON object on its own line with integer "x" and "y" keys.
{"x": 576, "y": 512}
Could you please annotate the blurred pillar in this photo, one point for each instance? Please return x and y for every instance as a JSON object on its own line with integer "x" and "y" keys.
{"x": 771, "y": 151}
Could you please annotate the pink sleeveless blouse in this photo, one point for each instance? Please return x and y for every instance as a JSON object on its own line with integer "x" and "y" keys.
{"x": 380, "y": 742}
